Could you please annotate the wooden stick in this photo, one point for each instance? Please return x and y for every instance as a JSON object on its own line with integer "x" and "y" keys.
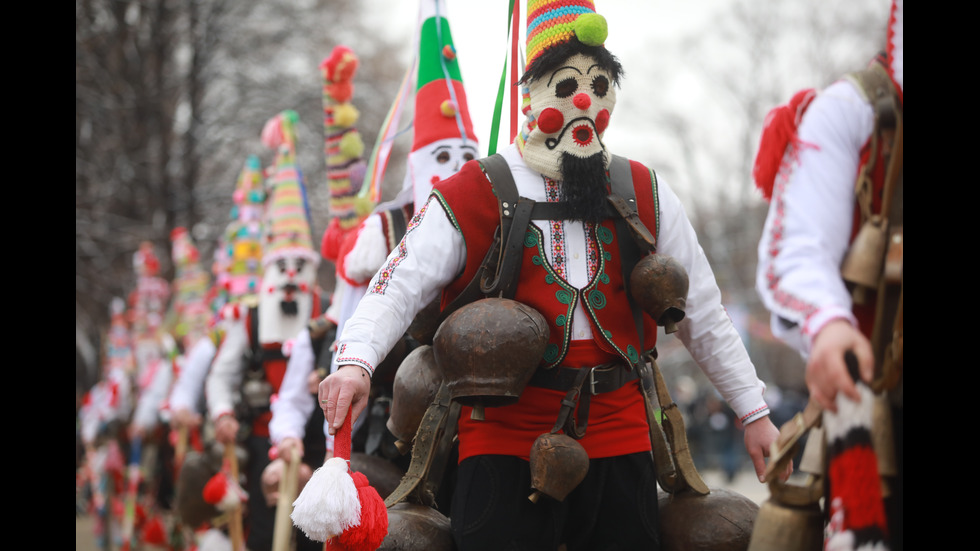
{"x": 235, "y": 528}
{"x": 283, "y": 531}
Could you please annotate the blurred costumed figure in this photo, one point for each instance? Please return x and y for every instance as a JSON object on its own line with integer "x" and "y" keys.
{"x": 236, "y": 271}
{"x": 830, "y": 271}
{"x": 248, "y": 369}
{"x": 104, "y": 416}
{"x": 155, "y": 350}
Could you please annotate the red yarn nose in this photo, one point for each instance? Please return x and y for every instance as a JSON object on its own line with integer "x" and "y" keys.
{"x": 582, "y": 101}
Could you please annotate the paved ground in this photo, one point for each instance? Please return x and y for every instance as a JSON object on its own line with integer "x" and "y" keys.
{"x": 744, "y": 483}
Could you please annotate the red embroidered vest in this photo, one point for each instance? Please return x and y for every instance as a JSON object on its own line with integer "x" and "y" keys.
{"x": 471, "y": 204}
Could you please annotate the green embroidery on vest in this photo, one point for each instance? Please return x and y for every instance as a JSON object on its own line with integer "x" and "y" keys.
{"x": 631, "y": 352}
{"x": 604, "y": 234}
{"x": 597, "y": 299}
{"x": 530, "y": 239}
{"x": 564, "y": 296}
{"x": 550, "y": 353}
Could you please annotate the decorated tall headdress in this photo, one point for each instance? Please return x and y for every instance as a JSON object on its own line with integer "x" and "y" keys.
{"x": 287, "y": 218}
{"x": 441, "y": 110}
{"x": 118, "y": 342}
{"x": 148, "y": 302}
{"x": 191, "y": 283}
{"x": 343, "y": 148}
{"x": 552, "y": 23}
{"x": 242, "y": 240}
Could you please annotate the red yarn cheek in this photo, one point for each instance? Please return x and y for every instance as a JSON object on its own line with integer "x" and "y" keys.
{"x": 551, "y": 120}
{"x": 602, "y": 121}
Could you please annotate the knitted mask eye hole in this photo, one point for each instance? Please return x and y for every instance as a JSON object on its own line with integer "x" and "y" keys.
{"x": 443, "y": 157}
{"x": 600, "y": 86}
{"x": 468, "y": 156}
{"x": 566, "y": 87}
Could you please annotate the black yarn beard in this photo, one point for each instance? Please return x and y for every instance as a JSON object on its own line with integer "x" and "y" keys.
{"x": 583, "y": 187}
{"x": 289, "y": 307}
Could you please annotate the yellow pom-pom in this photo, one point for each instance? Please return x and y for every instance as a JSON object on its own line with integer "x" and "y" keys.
{"x": 345, "y": 115}
{"x": 448, "y": 108}
{"x": 591, "y": 29}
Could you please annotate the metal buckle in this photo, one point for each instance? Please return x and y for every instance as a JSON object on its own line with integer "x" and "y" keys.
{"x": 601, "y": 368}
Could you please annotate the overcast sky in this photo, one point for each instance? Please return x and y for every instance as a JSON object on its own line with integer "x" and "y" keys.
{"x": 479, "y": 30}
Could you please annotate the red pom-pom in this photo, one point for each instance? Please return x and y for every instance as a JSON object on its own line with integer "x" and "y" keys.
{"x": 778, "y": 131}
{"x": 332, "y": 238}
{"x": 215, "y": 489}
{"x": 154, "y": 532}
{"x": 370, "y": 533}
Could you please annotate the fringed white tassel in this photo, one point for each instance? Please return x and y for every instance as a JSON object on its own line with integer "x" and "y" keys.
{"x": 328, "y": 504}
{"x": 214, "y": 540}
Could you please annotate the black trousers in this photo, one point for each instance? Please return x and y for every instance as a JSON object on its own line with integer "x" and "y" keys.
{"x": 614, "y": 508}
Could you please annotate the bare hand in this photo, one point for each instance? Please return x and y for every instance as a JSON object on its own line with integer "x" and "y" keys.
{"x": 313, "y": 381}
{"x": 271, "y": 476}
{"x": 826, "y": 371}
{"x": 345, "y": 390}
{"x": 290, "y": 448}
{"x": 185, "y": 418}
{"x": 759, "y": 437}
{"x": 226, "y": 429}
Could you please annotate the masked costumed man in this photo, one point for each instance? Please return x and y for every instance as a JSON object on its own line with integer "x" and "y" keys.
{"x": 830, "y": 271}
{"x": 250, "y": 364}
{"x": 103, "y": 417}
{"x": 152, "y": 343}
{"x": 571, "y": 272}
{"x": 236, "y": 273}
{"x": 192, "y": 317}
{"x": 443, "y": 141}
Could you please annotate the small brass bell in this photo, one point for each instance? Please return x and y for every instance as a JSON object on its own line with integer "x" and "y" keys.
{"x": 558, "y": 464}
{"x": 864, "y": 260}
{"x": 659, "y": 284}
{"x": 780, "y": 527}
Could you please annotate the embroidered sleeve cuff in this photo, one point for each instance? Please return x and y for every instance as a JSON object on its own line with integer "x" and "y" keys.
{"x": 357, "y": 355}
{"x": 753, "y": 415}
{"x": 822, "y": 317}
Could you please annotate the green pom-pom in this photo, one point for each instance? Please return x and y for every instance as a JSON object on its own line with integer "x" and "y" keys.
{"x": 591, "y": 29}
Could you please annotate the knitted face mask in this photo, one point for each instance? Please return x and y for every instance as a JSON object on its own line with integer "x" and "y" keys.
{"x": 569, "y": 111}
{"x": 438, "y": 161}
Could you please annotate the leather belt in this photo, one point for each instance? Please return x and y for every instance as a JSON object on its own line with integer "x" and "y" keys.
{"x": 602, "y": 378}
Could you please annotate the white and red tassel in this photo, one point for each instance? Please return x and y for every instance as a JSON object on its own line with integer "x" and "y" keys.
{"x": 340, "y": 507}
{"x": 224, "y": 493}
{"x": 328, "y": 504}
{"x": 857, "y": 510}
